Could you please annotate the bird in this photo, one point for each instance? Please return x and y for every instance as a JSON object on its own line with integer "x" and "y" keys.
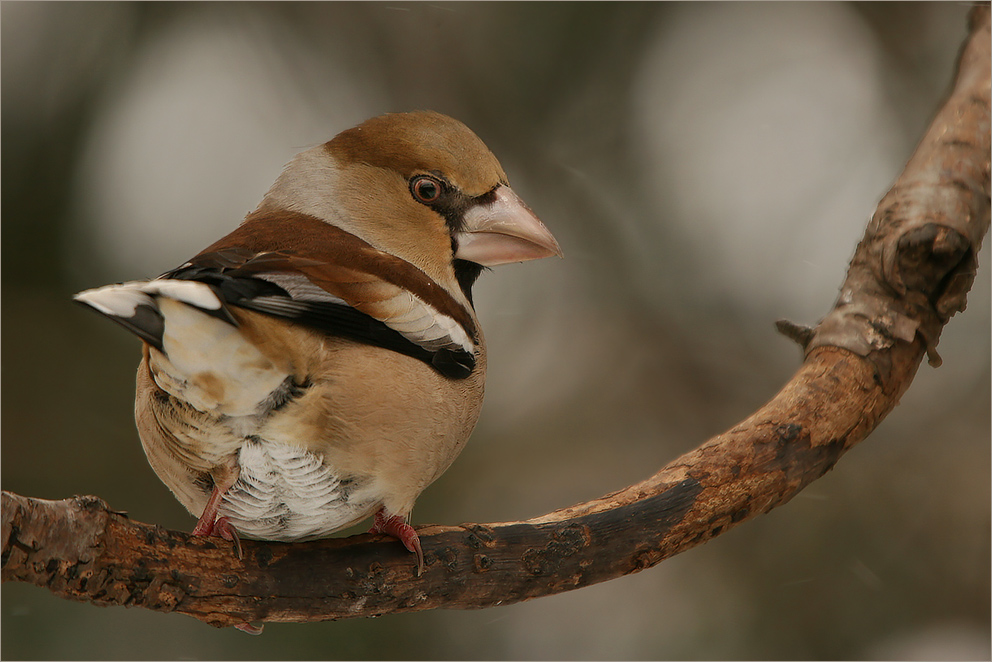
{"x": 323, "y": 363}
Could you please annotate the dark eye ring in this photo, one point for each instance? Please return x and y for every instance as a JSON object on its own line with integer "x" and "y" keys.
{"x": 425, "y": 189}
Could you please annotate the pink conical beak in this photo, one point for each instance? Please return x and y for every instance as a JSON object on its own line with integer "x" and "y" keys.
{"x": 504, "y": 231}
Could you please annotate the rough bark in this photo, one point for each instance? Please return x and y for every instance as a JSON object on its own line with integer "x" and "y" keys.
{"x": 910, "y": 273}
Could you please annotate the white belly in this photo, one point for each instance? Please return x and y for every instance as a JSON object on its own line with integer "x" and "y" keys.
{"x": 287, "y": 493}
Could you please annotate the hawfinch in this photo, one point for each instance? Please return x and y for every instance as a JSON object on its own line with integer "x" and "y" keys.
{"x": 323, "y": 363}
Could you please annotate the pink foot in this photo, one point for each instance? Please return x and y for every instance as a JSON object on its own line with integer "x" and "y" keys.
{"x": 396, "y": 526}
{"x": 211, "y": 525}
{"x": 226, "y": 530}
{"x": 204, "y": 527}
{"x": 221, "y": 527}
{"x": 249, "y": 628}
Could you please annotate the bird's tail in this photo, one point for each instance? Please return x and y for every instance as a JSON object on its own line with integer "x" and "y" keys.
{"x": 202, "y": 358}
{"x": 135, "y": 305}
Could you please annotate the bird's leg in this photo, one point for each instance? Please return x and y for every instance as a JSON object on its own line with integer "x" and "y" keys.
{"x": 209, "y": 524}
{"x": 397, "y": 527}
{"x": 205, "y": 525}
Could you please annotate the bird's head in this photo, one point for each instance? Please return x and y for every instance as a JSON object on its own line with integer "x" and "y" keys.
{"x": 421, "y": 186}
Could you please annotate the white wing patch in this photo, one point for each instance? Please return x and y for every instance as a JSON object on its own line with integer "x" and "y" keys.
{"x": 287, "y": 493}
{"x": 431, "y": 329}
{"x": 398, "y": 308}
{"x": 300, "y": 288}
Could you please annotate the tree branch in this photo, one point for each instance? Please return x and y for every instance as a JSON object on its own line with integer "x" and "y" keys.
{"x": 910, "y": 273}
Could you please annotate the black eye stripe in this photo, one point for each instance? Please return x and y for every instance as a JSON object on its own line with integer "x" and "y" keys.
{"x": 435, "y": 192}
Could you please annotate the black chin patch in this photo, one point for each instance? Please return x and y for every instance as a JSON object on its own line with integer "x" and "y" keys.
{"x": 467, "y": 273}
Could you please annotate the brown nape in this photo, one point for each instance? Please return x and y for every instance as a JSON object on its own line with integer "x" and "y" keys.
{"x": 421, "y": 142}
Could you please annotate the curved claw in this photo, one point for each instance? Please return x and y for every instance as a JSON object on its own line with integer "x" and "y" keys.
{"x": 397, "y": 527}
{"x": 211, "y": 525}
{"x": 221, "y": 527}
{"x": 226, "y": 530}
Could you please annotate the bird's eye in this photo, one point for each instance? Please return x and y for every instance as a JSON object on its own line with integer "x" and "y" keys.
{"x": 425, "y": 189}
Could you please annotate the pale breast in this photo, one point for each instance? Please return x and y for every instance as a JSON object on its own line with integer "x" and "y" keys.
{"x": 287, "y": 493}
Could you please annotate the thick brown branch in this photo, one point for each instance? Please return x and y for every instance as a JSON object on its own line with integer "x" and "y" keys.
{"x": 917, "y": 261}
{"x": 909, "y": 275}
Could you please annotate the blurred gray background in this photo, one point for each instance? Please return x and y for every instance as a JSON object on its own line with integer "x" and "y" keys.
{"x": 707, "y": 168}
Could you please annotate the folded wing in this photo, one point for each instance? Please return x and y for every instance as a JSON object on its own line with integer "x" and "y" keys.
{"x": 351, "y": 290}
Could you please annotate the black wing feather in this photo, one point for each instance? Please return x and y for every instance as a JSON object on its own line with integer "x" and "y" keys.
{"x": 335, "y": 319}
